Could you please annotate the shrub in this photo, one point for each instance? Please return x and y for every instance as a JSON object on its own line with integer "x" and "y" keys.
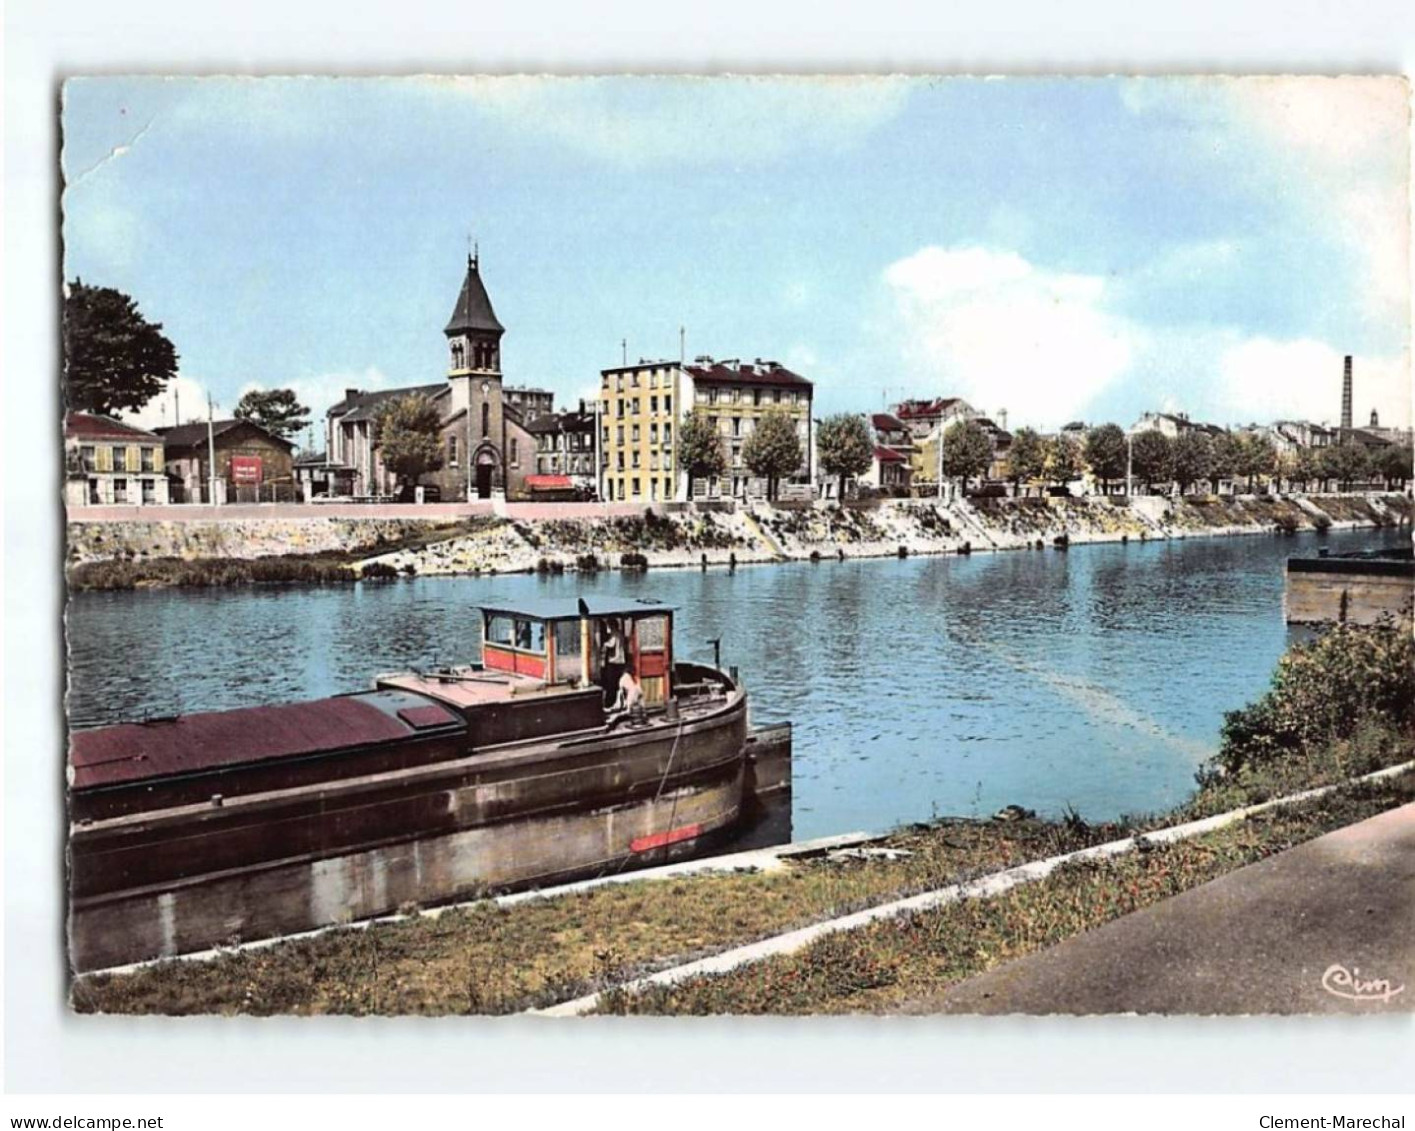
{"x": 633, "y": 560}
{"x": 1324, "y": 691}
{"x": 378, "y": 571}
{"x": 587, "y": 563}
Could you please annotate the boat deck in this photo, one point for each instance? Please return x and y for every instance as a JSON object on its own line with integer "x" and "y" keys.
{"x": 474, "y": 687}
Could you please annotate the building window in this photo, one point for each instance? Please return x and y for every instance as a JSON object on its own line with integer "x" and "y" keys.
{"x": 149, "y": 491}
{"x": 606, "y": 434}
{"x": 451, "y": 451}
{"x": 736, "y": 426}
{"x": 120, "y": 490}
{"x": 621, "y": 461}
{"x": 636, "y": 457}
{"x": 653, "y": 461}
{"x": 485, "y": 420}
{"x": 667, "y": 435}
{"x": 120, "y": 459}
{"x": 635, "y": 433}
{"x": 756, "y": 396}
{"x": 93, "y": 496}
{"x": 87, "y": 456}
{"x": 635, "y": 484}
{"x": 146, "y": 459}
{"x": 777, "y": 396}
{"x": 515, "y": 452}
{"x": 667, "y": 404}
{"x": 653, "y": 433}
{"x": 619, "y": 433}
{"x": 653, "y": 404}
{"x": 459, "y": 355}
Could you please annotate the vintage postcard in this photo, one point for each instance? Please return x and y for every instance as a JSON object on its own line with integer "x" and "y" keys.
{"x": 765, "y": 545}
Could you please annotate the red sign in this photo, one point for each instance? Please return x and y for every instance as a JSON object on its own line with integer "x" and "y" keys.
{"x": 245, "y": 470}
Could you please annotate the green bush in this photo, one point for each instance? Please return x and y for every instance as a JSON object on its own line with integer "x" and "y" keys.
{"x": 1349, "y": 679}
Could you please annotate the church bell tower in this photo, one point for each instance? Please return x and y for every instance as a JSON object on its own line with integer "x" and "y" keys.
{"x": 474, "y": 371}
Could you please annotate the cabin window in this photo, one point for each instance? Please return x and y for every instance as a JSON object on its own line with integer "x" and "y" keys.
{"x": 568, "y": 665}
{"x": 500, "y": 630}
{"x": 653, "y": 634}
{"x": 530, "y": 635}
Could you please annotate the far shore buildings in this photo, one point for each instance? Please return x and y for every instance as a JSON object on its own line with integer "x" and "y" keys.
{"x": 109, "y": 463}
{"x": 564, "y": 452}
{"x": 486, "y": 449}
{"x": 643, "y": 406}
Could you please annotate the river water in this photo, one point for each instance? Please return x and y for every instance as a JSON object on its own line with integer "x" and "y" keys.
{"x": 1095, "y": 679}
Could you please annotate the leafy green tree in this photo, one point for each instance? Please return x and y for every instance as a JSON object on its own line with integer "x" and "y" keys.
{"x": 773, "y": 450}
{"x": 408, "y": 432}
{"x": 1396, "y": 466}
{"x": 1027, "y": 458}
{"x": 1226, "y": 459}
{"x": 276, "y": 410}
{"x": 1152, "y": 456}
{"x": 115, "y": 360}
{"x": 1065, "y": 460}
{"x": 844, "y": 447}
{"x": 967, "y": 451}
{"x": 1256, "y": 458}
{"x": 1346, "y": 463}
{"x": 700, "y": 449}
{"x": 1192, "y": 459}
{"x": 1105, "y": 453}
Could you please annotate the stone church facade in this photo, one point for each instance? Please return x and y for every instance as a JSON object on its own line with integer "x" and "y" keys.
{"x": 486, "y": 450}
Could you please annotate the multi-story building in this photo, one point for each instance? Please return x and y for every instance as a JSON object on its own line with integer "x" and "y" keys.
{"x": 892, "y": 469}
{"x": 486, "y": 449}
{"x": 528, "y": 401}
{"x": 923, "y": 417}
{"x": 642, "y": 408}
{"x": 564, "y": 450}
{"x": 112, "y": 463}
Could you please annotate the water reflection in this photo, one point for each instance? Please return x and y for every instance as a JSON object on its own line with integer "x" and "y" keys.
{"x": 1095, "y": 679}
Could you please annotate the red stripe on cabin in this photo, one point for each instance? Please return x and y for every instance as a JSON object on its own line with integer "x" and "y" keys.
{"x": 658, "y": 840}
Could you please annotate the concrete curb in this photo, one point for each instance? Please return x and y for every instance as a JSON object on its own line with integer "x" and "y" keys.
{"x": 990, "y": 885}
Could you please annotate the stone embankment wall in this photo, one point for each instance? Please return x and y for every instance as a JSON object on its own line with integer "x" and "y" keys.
{"x": 526, "y": 539}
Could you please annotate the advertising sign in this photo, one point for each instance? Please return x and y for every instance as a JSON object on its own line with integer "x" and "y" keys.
{"x": 245, "y": 471}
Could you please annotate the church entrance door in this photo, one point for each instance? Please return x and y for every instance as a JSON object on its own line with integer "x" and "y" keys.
{"x": 484, "y": 480}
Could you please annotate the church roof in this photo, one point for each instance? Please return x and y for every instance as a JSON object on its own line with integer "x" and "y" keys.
{"x": 473, "y": 310}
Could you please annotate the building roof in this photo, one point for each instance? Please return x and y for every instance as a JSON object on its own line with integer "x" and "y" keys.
{"x": 364, "y": 406}
{"x": 752, "y": 373}
{"x": 473, "y": 310}
{"x": 910, "y": 410}
{"x": 196, "y": 434}
{"x": 91, "y": 426}
{"x": 555, "y": 422}
{"x": 548, "y": 482}
{"x": 887, "y": 455}
{"x": 569, "y": 608}
{"x": 887, "y": 422}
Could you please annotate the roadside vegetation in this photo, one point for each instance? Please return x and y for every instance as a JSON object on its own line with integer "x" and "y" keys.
{"x": 1340, "y": 705}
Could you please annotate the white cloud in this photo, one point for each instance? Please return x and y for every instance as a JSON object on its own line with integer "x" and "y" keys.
{"x": 690, "y": 120}
{"x": 1001, "y": 332}
{"x": 1267, "y": 380}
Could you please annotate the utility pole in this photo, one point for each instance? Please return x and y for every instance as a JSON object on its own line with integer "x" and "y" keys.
{"x": 598, "y": 465}
{"x": 624, "y": 351}
{"x": 940, "y": 458}
{"x": 211, "y": 449}
{"x": 682, "y": 345}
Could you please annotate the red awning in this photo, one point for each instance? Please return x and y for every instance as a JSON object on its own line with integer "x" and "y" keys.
{"x": 548, "y": 482}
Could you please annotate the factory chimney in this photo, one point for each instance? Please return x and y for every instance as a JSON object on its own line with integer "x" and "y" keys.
{"x": 1346, "y": 396}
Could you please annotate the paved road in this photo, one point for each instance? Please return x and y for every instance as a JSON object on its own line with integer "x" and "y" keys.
{"x": 1263, "y": 939}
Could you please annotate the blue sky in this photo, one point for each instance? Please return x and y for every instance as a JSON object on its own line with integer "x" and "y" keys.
{"x": 1059, "y": 248}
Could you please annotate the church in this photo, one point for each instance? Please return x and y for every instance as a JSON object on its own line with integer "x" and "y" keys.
{"x": 486, "y": 450}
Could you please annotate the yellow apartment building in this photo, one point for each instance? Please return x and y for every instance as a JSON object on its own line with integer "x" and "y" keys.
{"x": 642, "y": 407}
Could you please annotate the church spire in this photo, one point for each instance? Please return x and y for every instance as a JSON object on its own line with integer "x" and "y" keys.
{"x": 473, "y": 313}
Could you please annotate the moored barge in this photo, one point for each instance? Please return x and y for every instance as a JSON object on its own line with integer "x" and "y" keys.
{"x": 578, "y": 745}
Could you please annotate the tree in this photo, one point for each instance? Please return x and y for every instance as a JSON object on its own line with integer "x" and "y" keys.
{"x": 1225, "y": 459}
{"x": 1256, "y": 457}
{"x": 844, "y": 446}
{"x": 1027, "y": 458}
{"x": 115, "y": 360}
{"x": 408, "y": 432}
{"x": 1396, "y": 465}
{"x": 700, "y": 448}
{"x": 1347, "y": 463}
{"x": 275, "y": 410}
{"x": 1064, "y": 461}
{"x": 1105, "y": 453}
{"x": 1152, "y": 457}
{"x": 1192, "y": 458}
{"x": 773, "y": 450}
{"x": 967, "y": 451}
